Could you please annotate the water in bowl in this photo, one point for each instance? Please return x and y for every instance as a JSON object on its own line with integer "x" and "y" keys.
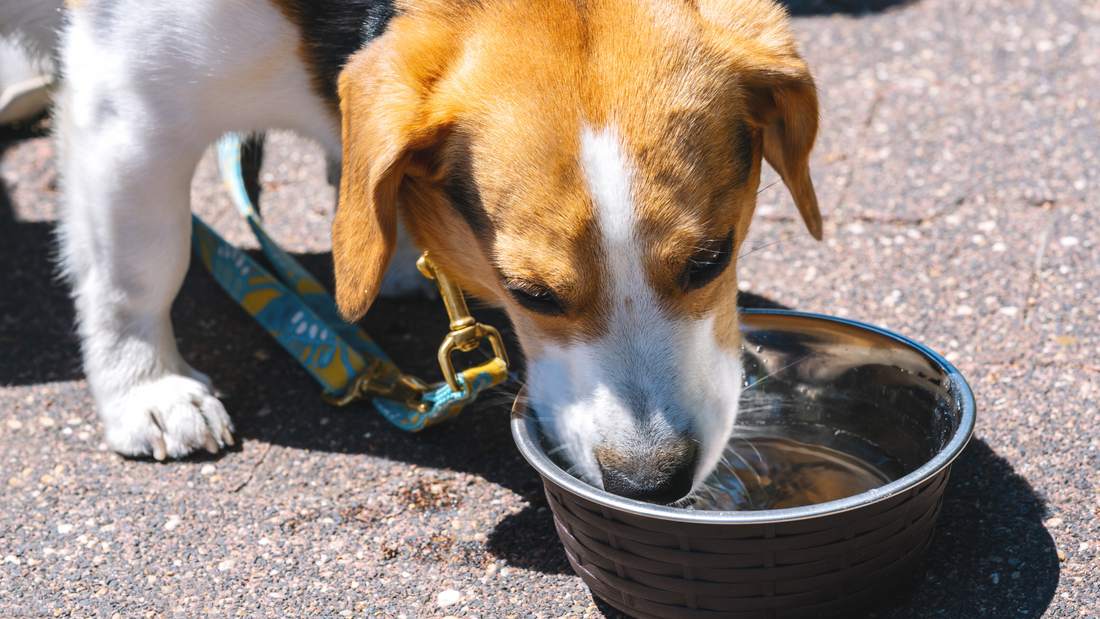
{"x": 765, "y": 472}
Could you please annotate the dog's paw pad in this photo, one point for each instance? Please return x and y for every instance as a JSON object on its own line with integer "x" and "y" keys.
{"x": 168, "y": 417}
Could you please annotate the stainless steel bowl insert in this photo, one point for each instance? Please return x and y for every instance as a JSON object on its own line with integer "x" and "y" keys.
{"x": 854, "y": 387}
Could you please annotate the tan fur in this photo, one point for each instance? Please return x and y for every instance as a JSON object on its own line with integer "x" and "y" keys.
{"x": 502, "y": 93}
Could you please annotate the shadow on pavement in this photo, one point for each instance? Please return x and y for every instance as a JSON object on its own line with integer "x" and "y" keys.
{"x": 992, "y": 556}
{"x": 848, "y": 7}
{"x": 37, "y": 341}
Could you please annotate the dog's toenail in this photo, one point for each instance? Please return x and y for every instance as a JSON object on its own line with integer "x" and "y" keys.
{"x": 160, "y": 451}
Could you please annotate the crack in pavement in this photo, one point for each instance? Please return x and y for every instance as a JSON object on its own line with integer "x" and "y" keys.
{"x": 1035, "y": 284}
{"x": 270, "y": 444}
{"x": 866, "y": 125}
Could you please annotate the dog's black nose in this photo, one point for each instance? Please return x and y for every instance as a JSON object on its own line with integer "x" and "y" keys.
{"x": 664, "y": 475}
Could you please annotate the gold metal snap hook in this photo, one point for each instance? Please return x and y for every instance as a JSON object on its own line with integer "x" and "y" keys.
{"x": 406, "y": 389}
{"x": 359, "y": 387}
{"x": 465, "y": 333}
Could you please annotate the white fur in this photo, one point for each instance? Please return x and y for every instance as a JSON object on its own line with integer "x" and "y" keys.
{"x": 35, "y": 26}
{"x": 143, "y": 97}
{"x": 653, "y": 375}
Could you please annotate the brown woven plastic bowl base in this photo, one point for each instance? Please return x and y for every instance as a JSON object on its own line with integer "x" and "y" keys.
{"x": 823, "y": 567}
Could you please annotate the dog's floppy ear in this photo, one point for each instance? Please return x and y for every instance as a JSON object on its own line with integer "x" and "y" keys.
{"x": 779, "y": 91}
{"x": 383, "y": 101}
{"x": 784, "y": 105}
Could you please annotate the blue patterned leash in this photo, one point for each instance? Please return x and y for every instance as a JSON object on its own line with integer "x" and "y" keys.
{"x": 302, "y": 317}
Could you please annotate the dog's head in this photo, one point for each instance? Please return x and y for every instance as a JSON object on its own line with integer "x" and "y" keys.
{"x": 591, "y": 168}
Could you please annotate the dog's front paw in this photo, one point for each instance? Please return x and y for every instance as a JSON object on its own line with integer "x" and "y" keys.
{"x": 170, "y": 416}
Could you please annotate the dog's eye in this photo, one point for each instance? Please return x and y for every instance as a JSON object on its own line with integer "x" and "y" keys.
{"x": 707, "y": 263}
{"x": 535, "y": 299}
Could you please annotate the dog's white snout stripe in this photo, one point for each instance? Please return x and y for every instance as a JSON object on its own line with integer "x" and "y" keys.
{"x": 610, "y": 179}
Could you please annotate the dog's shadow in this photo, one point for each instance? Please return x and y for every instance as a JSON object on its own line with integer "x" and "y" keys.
{"x": 992, "y": 556}
{"x": 991, "y": 523}
{"x": 37, "y": 341}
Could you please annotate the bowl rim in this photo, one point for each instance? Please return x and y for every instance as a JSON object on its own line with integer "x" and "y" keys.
{"x": 959, "y": 389}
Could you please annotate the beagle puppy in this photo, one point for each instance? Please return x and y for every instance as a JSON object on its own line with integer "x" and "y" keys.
{"x": 591, "y": 167}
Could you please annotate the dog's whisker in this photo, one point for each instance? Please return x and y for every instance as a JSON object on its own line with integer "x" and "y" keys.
{"x": 558, "y": 449}
{"x": 759, "y": 480}
{"x": 767, "y": 245}
{"x": 483, "y": 404}
{"x": 546, "y": 420}
{"x": 770, "y": 185}
{"x": 754, "y": 449}
{"x": 710, "y": 492}
{"x": 789, "y": 365}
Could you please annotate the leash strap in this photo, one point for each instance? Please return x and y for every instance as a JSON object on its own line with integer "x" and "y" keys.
{"x": 302, "y": 317}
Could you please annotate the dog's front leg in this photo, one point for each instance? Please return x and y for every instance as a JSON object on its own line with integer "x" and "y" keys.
{"x": 126, "y": 245}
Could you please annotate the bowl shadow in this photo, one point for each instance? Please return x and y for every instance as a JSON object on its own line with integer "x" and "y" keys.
{"x": 992, "y": 556}
{"x": 991, "y": 523}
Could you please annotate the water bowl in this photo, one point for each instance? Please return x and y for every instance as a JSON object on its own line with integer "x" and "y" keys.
{"x": 825, "y": 402}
